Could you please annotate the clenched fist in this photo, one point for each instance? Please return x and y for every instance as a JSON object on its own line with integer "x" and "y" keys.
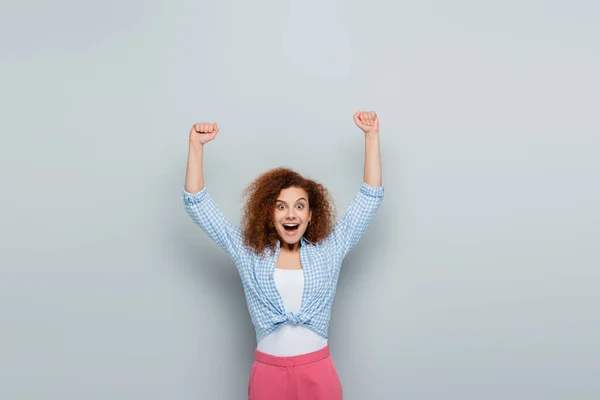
{"x": 367, "y": 121}
{"x": 203, "y": 132}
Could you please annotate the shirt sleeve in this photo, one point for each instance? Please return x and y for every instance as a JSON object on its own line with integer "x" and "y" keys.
{"x": 205, "y": 214}
{"x": 359, "y": 214}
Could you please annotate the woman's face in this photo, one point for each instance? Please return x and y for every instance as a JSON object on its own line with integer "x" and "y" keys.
{"x": 292, "y": 214}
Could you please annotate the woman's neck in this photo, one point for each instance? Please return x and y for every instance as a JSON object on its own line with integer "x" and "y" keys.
{"x": 290, "y": 248}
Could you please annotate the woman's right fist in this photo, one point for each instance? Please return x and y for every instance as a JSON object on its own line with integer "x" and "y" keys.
{"x": 203, "y": 132}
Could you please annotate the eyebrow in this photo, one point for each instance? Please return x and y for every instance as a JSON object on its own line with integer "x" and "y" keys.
{"x": 281, "y": 201}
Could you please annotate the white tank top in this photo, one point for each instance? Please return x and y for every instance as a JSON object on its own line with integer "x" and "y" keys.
{"x": 291, "y": 339}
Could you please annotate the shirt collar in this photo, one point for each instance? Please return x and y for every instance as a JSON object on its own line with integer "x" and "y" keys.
{"x": 303, "y": 240}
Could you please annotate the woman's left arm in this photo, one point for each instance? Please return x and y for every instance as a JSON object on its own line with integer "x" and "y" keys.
{"x": 361, "y": 210}
{"x": 369, "y": 124}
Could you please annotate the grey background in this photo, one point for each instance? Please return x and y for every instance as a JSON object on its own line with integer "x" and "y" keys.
{"x": 478, "y": 279}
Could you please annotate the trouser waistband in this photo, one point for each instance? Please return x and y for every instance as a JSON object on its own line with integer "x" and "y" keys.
{"x": 292, "y": 361}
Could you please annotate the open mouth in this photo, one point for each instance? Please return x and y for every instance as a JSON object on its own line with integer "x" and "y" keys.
{"x": 291, "y": 228}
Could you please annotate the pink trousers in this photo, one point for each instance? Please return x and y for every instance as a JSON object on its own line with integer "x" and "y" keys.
{"x": 310, "y": 376}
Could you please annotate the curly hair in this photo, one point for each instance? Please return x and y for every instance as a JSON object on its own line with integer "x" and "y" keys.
{"x": 258, "y": 227}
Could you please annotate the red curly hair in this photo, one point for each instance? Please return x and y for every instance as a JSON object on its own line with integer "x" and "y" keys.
{"x": 261, "y": 194}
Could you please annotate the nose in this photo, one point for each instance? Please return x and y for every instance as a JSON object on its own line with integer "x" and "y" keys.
{"x": 290, "y": 213}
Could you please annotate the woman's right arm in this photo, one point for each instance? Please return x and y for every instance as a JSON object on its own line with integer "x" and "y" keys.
{"x": 198, "y": 203}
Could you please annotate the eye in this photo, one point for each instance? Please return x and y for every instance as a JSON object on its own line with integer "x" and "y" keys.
{"x": 300, "y": 206}
{"x": 280, "y": 207}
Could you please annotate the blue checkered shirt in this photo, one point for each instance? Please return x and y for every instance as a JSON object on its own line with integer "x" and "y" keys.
{"x": 320, "y": 262}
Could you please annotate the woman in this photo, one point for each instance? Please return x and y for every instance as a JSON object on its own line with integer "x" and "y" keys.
{"x": 288, "y": 254}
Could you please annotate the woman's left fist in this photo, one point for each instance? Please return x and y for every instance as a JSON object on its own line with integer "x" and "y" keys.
{"x": 367, "y": 121}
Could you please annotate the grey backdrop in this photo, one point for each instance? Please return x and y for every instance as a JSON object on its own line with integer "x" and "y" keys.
{"x": 478, "y": 279}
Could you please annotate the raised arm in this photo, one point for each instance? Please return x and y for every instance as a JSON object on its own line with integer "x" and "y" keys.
{"x": 369, "y": 123}
{"x": 198, "y": 202}
{"x": 200, "y": 134}
{"x": 362, "y": 209}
